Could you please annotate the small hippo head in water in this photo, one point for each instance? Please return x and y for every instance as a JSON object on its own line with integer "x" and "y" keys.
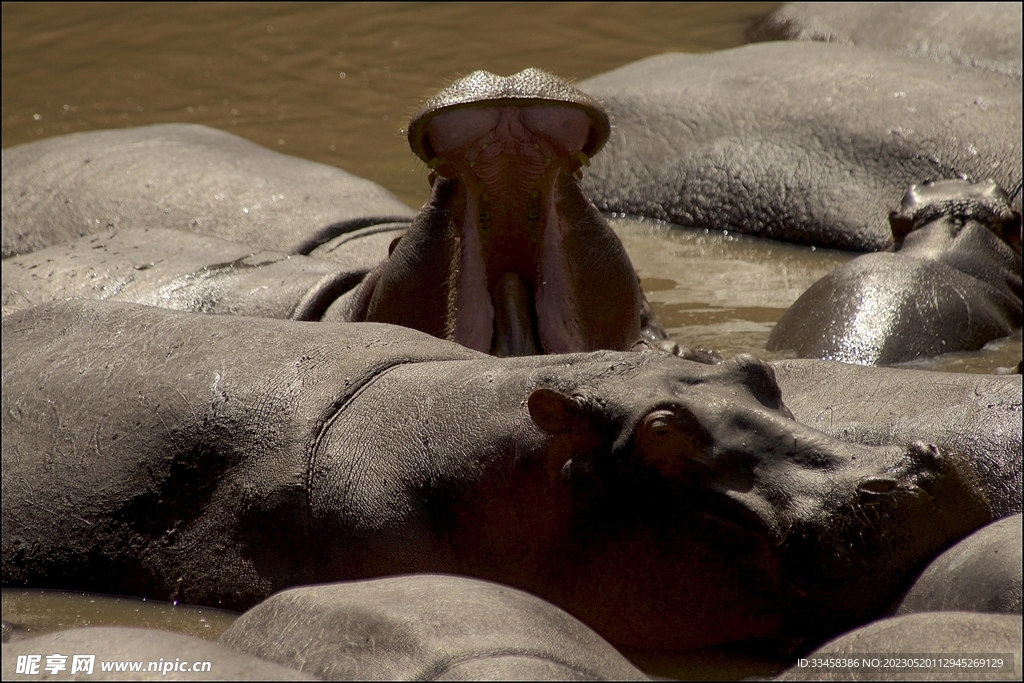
{"x": 509, "y": 257}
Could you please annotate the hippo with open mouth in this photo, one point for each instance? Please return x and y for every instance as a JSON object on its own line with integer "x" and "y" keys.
{"x": 509, "y": 257}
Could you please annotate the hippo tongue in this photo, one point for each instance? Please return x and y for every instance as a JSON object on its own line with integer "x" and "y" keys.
{"x": 515, "y": 328}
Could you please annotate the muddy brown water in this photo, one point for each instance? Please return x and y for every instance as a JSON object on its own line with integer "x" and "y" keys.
{"x": 335, "y": 84}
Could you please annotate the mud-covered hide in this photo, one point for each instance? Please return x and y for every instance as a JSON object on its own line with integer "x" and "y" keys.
{"x": 217, "y": 459}
{"x": 112, "y": 644}
{"x": 178, "y": 271}
{"x": 977, "y": 418}
{"x": 981, "y": 34}
{"x": 949, "y": 635}
{"x": 981, "y": 573}
{"x": 425, "y": 627}
{"x": 804, "y": 142}
{"x": 182, "y": 177}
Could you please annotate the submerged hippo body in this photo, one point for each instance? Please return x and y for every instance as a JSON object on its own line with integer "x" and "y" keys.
{"x": 179, "y": 271}
{"x": 803, "y": 142}
{"x": 509, "y": 256}
{"x": 985, "y": 35}
{"x": 953, "y": 284}
{"x": 183, "y": 177}
{"x": 424, "y": 627}
{"x": 667, "y": 504}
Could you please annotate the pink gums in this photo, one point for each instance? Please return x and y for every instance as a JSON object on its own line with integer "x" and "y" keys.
{"x": 509, "y": 159}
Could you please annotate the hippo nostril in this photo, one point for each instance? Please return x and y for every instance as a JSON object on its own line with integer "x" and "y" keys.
{"x": 877, "y": 486}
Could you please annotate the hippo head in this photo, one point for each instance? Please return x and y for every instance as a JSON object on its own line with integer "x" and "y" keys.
{"x": 950, "y": 205}
{"x": 668, "y": 504}
{"x": 509, "y": 257}
{"x": 703, "y": 513}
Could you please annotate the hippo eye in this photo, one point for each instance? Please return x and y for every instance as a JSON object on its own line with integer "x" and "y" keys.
{"x": 671, "y": 441}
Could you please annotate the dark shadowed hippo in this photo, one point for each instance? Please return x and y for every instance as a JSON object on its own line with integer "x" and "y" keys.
{"x": 667, "y": 504}
{"x": 981, "y": 573}
{"x": 803, "y": 142}
{"x": 509, "y": 257}
{"x": 986, "y": 35}
{"x": 953, "y": 284}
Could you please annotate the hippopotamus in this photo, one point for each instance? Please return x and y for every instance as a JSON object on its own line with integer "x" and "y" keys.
{"x": 804, "y": 142}
{"x": 413, "y": 627}
{"x": 183, "y": 271}
{"x": 986, "y": 35}
{"x": 976, "y": 646}
{"x": 182, "y": 177}
{"x": 952, "y": 284}
{"x": 509, "y": 256}
{"x": 161, "y": 656}
{"x": 425, "y": 627}
{"x": 975, "y": 416}
{"x": 667, "y": 504}
{"x": 981, "y": 573}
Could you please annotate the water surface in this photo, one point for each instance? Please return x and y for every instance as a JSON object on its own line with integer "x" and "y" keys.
{"x": 336, "y": 84}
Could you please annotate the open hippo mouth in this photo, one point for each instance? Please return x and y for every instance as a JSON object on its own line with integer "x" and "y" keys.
{"x": 534, "y": 268}
{"x": 514, "y": 296}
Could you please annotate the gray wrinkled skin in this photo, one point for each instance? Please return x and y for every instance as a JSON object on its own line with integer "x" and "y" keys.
{"x": 143, "y": 645}
{"x": 222, "y": 458}
{"x": 953, "y": 634}
{"x": 976, "y": 417}
{"x": 179, "y": 271}
{"x": 981, "y": 573}
{"x": 424, "y": 627}
{"x": 986, "y": 35}
{"x": 802, "y": 142}
{"x": 182, "y": 177}
{"x": 953, "y": 284}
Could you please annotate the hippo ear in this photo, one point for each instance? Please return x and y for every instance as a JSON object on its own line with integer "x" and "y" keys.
{"x": 552, "y": 411}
